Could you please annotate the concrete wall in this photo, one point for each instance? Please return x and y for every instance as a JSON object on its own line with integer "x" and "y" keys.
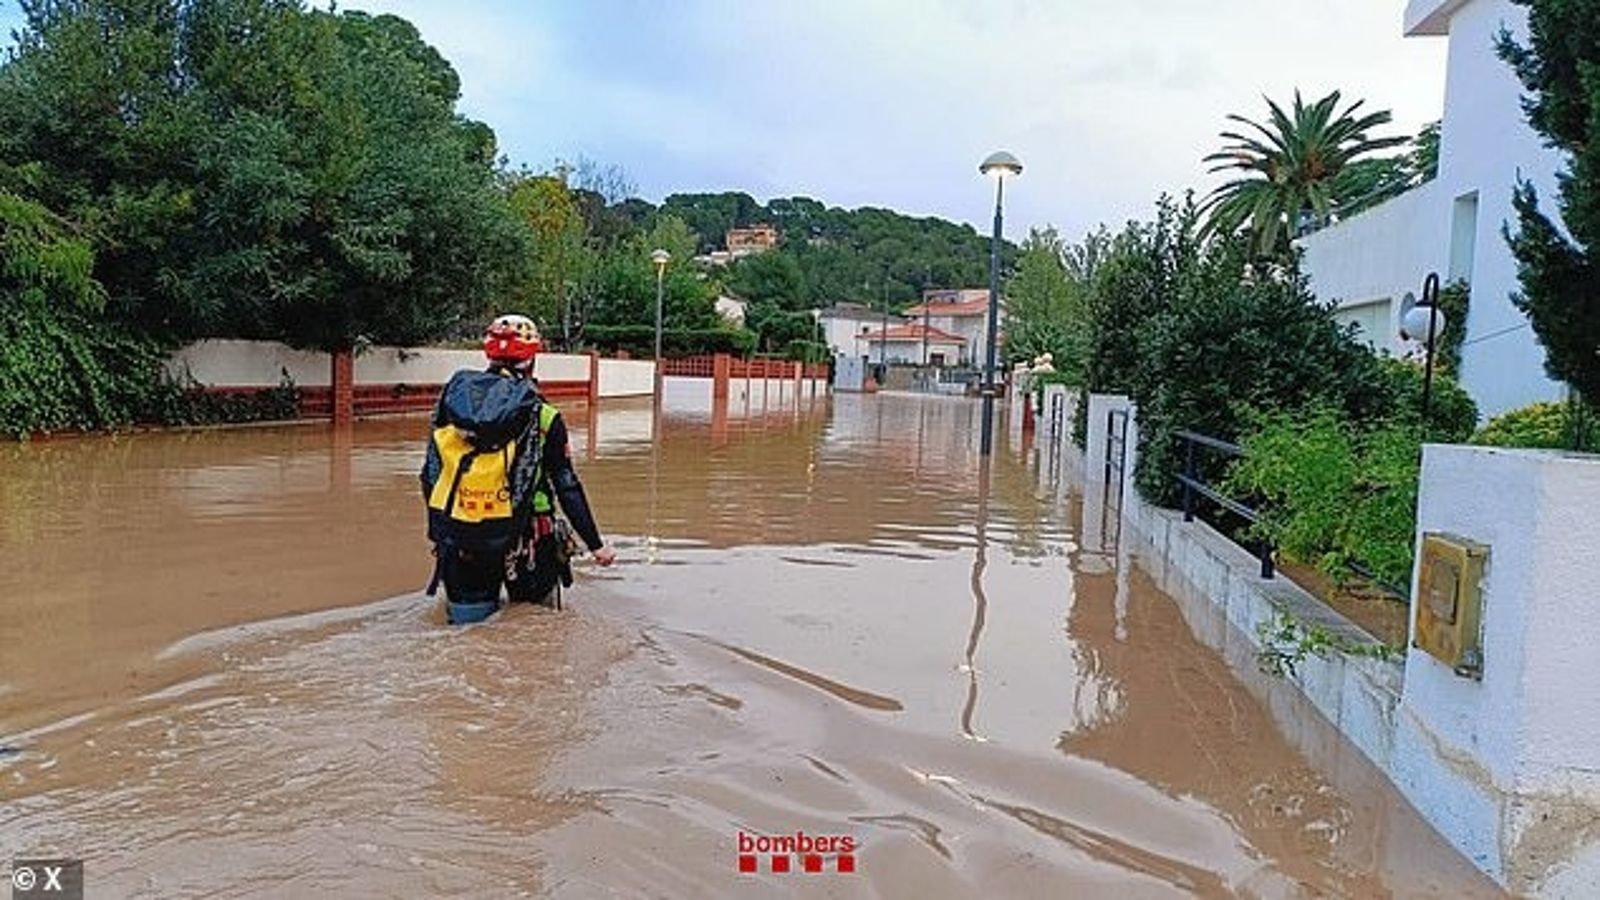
{"x": 229, "y": 363}
{"x": 249, "y": 364}
{"x": 1509, "y": 766}
{"x": 627, "y": 377}
{"x": 1486, "y": 146}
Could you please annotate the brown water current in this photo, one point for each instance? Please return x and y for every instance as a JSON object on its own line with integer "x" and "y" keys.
{"x": 219, "y": 677}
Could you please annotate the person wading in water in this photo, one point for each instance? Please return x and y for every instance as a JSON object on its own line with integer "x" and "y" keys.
{"x": 497, "y": 463}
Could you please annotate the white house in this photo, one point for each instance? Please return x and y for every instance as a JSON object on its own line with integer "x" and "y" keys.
{"x": 962, "y": 313}
{"x": 848, "y": 327}
{"x": 915, "y": 344}
{"x": 1452, "y": 225}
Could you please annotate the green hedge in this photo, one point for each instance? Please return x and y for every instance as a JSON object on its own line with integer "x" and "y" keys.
{"x": 62, "y": 370}
{"x": 807, "y": 351}
{"x": 1332, "y": 493}
{"x": 1336, "y": 490}
{"x": 639, "y": 340}
{"x": 1553, "y": 426}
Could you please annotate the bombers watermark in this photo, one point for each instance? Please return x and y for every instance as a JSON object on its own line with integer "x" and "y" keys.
{"x": 798, "y": 851}
{"x": 47, "y": 879}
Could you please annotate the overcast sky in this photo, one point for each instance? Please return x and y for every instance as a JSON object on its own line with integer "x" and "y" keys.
{"x": 893, "y": 102}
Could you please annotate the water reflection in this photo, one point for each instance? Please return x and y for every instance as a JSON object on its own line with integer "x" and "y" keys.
{"x": 980, "y": 605}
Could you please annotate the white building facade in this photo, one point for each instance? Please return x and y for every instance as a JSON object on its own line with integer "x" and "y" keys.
{"x": 962, "y": 313}
{"x": 1453, "y": 224}
{"x": 848, "y": 329}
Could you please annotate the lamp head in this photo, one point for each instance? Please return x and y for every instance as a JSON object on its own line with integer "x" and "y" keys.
{"x": 1000, "y": 164}
{"x": 660, "y": 258}
{"x": 1414, "y": 323}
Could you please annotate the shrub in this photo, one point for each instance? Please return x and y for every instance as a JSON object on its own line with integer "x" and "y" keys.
{"x": 1452, "y": 415}
{"x": 62, "y": 371}
{"x": 1230, "y": 343}
{"x": 1332, "y": 493}
{"x": 1554, "y": 426}
{"x": 807, "y": 351}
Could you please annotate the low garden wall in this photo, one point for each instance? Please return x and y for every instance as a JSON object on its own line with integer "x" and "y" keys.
{"x": 1505, "y": 765}
{"x": 389, "y": 380}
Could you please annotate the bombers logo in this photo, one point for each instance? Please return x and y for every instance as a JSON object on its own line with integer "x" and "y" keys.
{"x": 835, "y": 851}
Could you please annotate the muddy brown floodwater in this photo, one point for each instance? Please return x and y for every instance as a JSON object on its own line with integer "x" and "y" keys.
{"x": 218, "y": 677}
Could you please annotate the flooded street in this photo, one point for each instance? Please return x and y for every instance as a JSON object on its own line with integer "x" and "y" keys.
{"x": 219, "y": 677}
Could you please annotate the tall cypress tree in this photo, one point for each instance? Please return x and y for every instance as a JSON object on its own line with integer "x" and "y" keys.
{"x": 1560, "y": 273}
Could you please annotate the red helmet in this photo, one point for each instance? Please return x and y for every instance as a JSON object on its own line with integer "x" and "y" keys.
{"x": 511, "y": 340}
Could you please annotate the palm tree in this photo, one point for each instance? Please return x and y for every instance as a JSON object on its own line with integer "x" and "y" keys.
{"x": 1289, "y": 169}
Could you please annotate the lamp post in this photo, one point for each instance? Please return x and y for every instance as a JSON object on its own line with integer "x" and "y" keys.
{"x": 998, "y": 164}
{"x": 660, "y": 258}
{"x": 1425, "y": 321}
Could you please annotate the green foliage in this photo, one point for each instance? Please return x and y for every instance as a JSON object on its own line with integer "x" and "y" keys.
{"x": 1337, "y": 486}
{"x": 1397, "y": 396}
{"x": 63, "y": 367}
{"x": 255, "y": 168}
{"x": 1288, "y": 170}
{"x": 1286, "y": 642}
{"x": 867, "y": 254}
{"x": 1551, "y": 426}
{"x": 807, "y": 351}
{"x": 777, "y": 328}
{"x": 1369, "y": 181}
{"x": 1224, "y": 343}
{"x": 774, "y": 279}
{"x": 1455, "y": 300}
{"x": 639, "y": 340}
{"x": 558, "y": 252}
{"x": 1560, "y": 276}
{"x": 624, "y": 288}
{"x": 711, "y": 215}
{"x": 63, "y": 370}
{"x": 1332, "y": 494}
{"x": 1044, "y": 307}
{"x": 1197, "y": 333}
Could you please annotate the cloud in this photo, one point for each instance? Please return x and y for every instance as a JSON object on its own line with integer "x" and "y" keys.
{"x": 893, "y": 102}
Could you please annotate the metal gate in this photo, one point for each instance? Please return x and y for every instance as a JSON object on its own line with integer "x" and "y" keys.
{"x": 1116, "y": 455}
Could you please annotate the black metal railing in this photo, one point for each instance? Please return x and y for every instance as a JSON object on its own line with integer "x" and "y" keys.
{"x": 1116, "y": 445}
{"x": 1193, "y": 484}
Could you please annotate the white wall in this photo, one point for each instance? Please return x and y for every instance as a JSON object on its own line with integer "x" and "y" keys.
{"x": 228, "y": 363}
{"x": 250, "y": 364}
{"x": 1485, "y": 147}
{"x": 973, "y": 330}
{"x": 1508, "y": 768}
{"x": 627, "y": 377}
{"x": 428, "y": 365}
{"x": 845, "y": 335}
{"x": 1379, "y": 255}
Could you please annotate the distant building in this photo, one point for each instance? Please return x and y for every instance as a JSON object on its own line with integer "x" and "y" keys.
{"x": 1452, "y": 224}
{"x": 915, "y": 344}
{"x": 731, "y": 309}
{"x": 846, "y": 328}
{"x": 714, "y": 258}
{"x": 754, "y": 239}
{"x": 962, "y": 313}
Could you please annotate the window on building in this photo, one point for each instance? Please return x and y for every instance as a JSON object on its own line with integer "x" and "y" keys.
{"x": 1373, "y": 321}
{"x": 1463, "y": 237}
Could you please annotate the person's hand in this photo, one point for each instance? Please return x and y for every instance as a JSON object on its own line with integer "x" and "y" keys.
{"x": 605, "y": 556}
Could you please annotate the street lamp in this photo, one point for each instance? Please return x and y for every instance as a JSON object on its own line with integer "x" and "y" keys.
{"x": 1425, "y": 322}
{"x": 998, "y": 164}
{"x": 660, "y": 258}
